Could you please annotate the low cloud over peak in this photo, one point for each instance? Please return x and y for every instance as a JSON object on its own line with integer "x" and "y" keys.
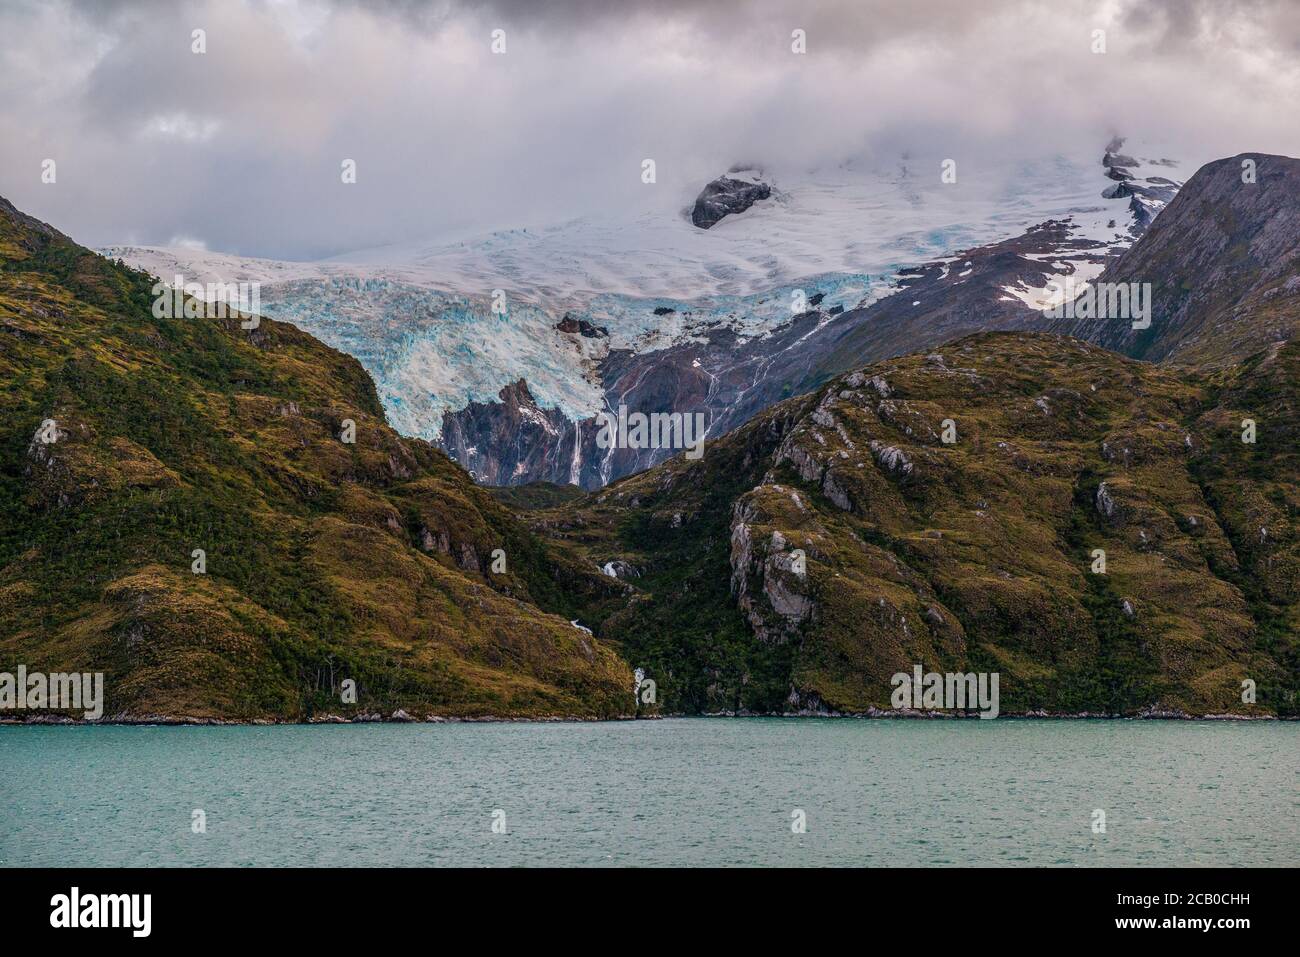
{"x": 240, "y": 147}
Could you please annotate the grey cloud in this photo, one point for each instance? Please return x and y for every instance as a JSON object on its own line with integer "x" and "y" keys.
{"x": 241, "y": 147}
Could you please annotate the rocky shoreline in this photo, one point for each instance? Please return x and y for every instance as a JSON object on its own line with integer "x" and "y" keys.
{"x": 401, "y": 717}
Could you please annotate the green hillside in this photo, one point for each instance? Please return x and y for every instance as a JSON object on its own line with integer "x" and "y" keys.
{"x": 975, "y": 555}
{"x": 325, "y": 561}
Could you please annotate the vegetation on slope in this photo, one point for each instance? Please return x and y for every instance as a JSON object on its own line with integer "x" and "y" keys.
{"x": 325, "y": 560}
{"x": 974, "y": 555}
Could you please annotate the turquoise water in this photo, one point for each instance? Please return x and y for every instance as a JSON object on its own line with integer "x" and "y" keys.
{"x": 676, "y": 792}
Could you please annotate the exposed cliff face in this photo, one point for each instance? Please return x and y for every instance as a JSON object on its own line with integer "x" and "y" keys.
{"x": 514, "y": 442}
{"x": 511, "y": 441}
{"x": 179, "y": 510}
{"x": 836, "y": 539}
{"x": 1223, "y": 261}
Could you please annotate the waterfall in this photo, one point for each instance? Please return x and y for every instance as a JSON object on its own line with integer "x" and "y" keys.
{"x": 575, "y": 466}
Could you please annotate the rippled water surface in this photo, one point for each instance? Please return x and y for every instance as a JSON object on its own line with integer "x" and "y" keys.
{"x": 676, "y": 792}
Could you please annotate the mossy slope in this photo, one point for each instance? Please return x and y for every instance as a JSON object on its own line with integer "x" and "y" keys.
{"x": 974, "y": 555}
{"x": 324, "y": 560}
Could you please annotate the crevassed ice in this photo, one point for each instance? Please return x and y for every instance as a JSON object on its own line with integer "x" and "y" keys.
{"x": 419, "y": 317}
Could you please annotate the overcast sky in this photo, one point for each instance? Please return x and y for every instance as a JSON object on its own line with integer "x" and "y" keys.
{"x": 239, "y": 148}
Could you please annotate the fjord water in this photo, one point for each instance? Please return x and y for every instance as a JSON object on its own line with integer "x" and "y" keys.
{"x": 692, "y": 791}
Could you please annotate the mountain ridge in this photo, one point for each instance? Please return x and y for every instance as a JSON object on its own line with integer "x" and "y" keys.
{"x": 1223, "y": 263}
{"x": 975, "y": 555}
{"x": 179, "y": 509}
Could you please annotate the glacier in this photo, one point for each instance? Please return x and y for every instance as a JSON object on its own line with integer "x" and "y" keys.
{"x": 419, "y": 317}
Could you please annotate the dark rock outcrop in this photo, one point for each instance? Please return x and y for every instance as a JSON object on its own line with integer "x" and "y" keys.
{"x": 510, "y": 442}
{"x": 581, "y": 327}
{"x": 725, "y": 197}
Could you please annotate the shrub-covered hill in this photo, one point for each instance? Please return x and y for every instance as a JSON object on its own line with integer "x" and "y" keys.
{"x": 325, "y": 561}
{"x": 976, "y": 555}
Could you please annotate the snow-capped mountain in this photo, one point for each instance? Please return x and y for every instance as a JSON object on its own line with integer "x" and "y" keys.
{"x": 504, "y": 347}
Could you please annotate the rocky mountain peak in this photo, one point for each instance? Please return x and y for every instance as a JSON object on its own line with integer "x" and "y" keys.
{"x": 1223, "y": 264}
